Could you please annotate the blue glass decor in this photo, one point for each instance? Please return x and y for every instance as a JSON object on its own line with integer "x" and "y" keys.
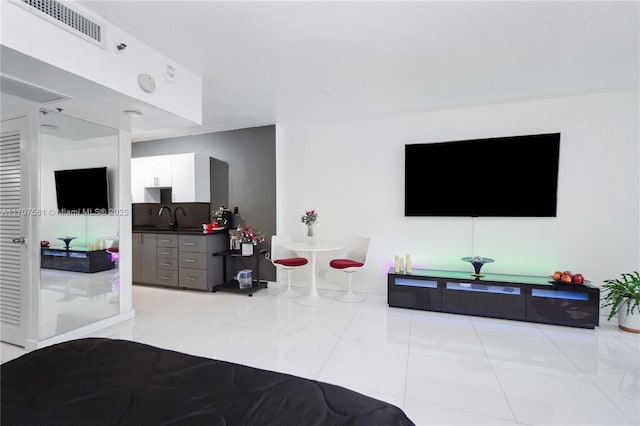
{"x": 477, "y": 263}
{"x": 67, "y": 240}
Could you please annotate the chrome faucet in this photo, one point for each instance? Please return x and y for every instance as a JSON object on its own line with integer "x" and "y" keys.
{"x": 175, "y": 215}
{"x": 171, "y": 220}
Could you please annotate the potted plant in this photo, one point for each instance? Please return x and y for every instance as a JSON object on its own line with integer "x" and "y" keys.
{"x": 623, "y": 296}
{"x": 249, "y": 237}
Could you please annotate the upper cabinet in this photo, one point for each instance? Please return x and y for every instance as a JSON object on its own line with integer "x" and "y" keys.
{"x": 191, "y": 180}
{"x": 187, "y": 175}
{"x": 137, "y": 180}
{"x": 158, "y": 171}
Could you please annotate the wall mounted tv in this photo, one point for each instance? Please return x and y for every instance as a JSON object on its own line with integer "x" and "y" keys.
{"x": 84, "y": 191}
{"x": 514, "y": 176}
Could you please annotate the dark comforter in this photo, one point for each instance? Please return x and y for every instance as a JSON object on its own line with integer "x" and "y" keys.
{"x": 106, "y": 382}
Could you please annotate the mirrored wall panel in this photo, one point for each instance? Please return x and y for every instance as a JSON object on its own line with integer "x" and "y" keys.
{"x": 79, "y": 282}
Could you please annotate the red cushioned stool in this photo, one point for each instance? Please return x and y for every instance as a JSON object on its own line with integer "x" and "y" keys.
{"x": 355, "y": 259}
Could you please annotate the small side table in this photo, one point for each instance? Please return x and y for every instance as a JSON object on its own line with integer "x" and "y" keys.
{"x": 232, "y": 286}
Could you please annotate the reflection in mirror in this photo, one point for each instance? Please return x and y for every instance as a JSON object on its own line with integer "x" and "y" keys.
{"x": 79, "y": 282}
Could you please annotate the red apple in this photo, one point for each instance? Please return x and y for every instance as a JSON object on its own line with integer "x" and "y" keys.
{"x": 568, "y": 273}
{"x": 577, "y": 279}
{"x": 565, "y": 278}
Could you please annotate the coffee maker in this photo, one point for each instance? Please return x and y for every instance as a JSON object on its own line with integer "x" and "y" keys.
{"x": 222, "y": 217}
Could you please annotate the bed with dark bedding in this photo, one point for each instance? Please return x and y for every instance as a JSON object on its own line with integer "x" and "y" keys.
{"x": 98, "y": 381}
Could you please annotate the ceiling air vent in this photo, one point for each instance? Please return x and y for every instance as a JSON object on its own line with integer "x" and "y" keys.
{"x": 29, "y": 91}
{"x": 67, "y": 18}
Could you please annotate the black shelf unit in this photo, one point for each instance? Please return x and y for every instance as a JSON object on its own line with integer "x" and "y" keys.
{"x": 514, "y": 297}
{"x": 232, "y": 285}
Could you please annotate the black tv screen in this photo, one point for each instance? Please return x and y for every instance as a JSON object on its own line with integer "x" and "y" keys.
{"x": 514, "y": 176}
{"x": 82, "y": 190}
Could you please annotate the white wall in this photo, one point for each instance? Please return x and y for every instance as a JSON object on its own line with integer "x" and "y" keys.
{"x": 352, "y": 172}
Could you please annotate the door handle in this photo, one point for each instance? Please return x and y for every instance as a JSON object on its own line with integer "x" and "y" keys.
{"x": 18, "y": 240}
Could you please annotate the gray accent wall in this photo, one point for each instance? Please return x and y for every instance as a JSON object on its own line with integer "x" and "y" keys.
{"x": 251, "y": 156}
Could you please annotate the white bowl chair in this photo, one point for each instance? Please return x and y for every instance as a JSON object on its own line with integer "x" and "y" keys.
{"x": 354, "y": 260}
{"x": 285, "y": 259}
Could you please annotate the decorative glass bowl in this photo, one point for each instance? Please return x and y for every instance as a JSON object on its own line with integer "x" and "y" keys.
{"x": 67, "y": 240}
{"x": 477, "y": 263}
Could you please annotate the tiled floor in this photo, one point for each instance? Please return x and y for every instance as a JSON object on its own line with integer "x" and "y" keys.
{"x": 441, "y": 369}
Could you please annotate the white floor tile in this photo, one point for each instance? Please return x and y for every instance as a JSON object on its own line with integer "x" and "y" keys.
{"x": 352, "y": 365}
{"x": 471, "y": 386}
{"x": 227, "y": 343}
{"x": 293, "y": 355}
{"x": 442, "y": 369}
{"x": 534, "y": 355}
{"x": 424, "y": 413}
{"x": 539, "y": 399}
{"x": 321, "y": 323}
{"x": 9, "y": 352}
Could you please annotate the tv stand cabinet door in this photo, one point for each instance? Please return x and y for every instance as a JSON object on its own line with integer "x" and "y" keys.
{"x": 412, "y": 292}
{"x": 499, "y": 300}
{"x": 576, "y": 307}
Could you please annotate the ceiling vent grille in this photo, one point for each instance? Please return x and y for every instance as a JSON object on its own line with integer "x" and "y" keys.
{"x": 67, "y": 18}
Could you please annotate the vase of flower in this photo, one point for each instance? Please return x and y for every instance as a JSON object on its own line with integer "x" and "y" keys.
{"x": 310, "y": 218}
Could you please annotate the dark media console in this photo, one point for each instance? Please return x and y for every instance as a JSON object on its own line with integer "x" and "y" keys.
{"x": 76, "y": 260}
{"x": 513, "y": 297}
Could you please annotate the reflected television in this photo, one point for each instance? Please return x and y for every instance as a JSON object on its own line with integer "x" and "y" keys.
{"x": 84, "y": 191}
{"x": 515, "y": 176}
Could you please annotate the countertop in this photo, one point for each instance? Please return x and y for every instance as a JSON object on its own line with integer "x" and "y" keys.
{"x": 179, "y": 231}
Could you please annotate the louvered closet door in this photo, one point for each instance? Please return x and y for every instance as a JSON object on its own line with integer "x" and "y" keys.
{"x": 13, "y": 222}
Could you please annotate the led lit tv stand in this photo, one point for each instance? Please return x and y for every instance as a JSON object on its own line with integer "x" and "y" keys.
{"x": 513, "y": 297}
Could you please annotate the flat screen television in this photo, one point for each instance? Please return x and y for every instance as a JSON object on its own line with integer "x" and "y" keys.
{"x": 84, "y": 191}
{"x": 514, "y": 176}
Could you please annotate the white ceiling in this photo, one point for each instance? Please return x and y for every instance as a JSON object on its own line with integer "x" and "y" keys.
{"x": 266, "y": 62}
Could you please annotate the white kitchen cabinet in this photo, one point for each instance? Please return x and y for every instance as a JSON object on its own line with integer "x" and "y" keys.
{"x": 137, "y": 180}
{"x": 190, "y": 178}
{"x": 186, "y": 174}
{"x": 157, "y": 171}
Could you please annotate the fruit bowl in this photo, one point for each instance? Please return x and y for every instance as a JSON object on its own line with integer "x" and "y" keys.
{"x": 585, "y": 282}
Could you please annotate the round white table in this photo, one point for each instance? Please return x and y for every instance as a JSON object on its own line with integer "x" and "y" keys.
{"x": 313, "y": 298}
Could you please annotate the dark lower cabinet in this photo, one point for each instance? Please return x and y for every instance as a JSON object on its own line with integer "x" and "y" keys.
{"x": 514, "y": 297}
{"x": 563, "y": 306}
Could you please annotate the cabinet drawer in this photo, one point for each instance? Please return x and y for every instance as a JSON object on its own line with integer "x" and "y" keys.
{"x": 193, "y": 278}
{"x": 166, "y": 277}
{"x": 170, "y": 264}
{"x": 167, "y": 253}
{"x": 193, "y": 260}
{"x": 166, "y": 240}
{"x": 192, "y": 243}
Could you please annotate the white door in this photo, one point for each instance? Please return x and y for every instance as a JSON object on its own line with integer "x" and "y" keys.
{"x": 14, "y": 214}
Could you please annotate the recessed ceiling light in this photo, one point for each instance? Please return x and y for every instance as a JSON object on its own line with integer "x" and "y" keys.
{"x": 49, "y": 126}
{"x": 133, "y": 113}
